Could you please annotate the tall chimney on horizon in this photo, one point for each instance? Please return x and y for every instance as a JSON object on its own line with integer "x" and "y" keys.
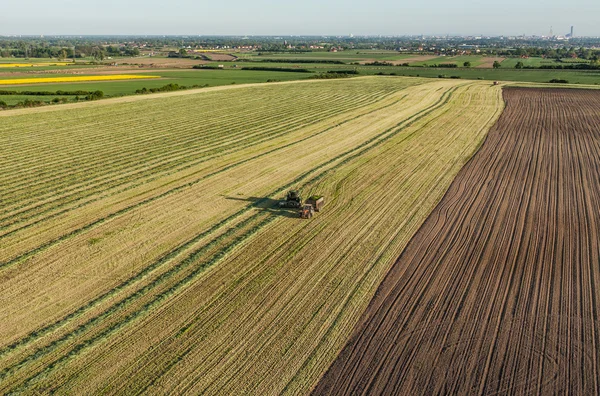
{"x": 571, "y": 31}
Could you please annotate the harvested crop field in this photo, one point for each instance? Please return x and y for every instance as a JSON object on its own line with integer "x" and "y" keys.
{"x": 143, "y": 250}
{"x": 498, "y": 291}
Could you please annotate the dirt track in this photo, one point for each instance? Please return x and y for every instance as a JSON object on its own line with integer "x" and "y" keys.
{"x": 498, "y": 291}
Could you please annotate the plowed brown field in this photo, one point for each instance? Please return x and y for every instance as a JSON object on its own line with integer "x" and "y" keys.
{"x": 498, "y": 291}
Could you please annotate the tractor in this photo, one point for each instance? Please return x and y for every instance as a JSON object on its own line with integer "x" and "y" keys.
{"x": 292, "y": 200}
{"x": 307, "y": 211}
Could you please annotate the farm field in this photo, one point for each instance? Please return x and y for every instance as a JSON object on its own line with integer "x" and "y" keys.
{"x": 368, "y": 56}
{"x": 589, "y": 77}
{"x": 142, "y": 249}
{"x": 8, "y": 71}
{"x": 233, "y": 73}
{"x": 183, "y": 77}
{"x": 43, "y": 64}
{"x": 73, "y": 79}
{"x": 155, "y": 61}
{"x": 357, "y": 55}
{"x": 475, "y": 60}
{"x": 498, "y": 291}
{"x": 537, "y": 62}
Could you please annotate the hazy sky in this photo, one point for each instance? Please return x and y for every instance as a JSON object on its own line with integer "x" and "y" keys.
{"x": 272, "y": 17}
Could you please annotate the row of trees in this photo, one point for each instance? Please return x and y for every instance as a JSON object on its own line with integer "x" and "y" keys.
{"x": 128, "y": 46}
{"x": 553, "y": 53}
{"x": 98, "y": 52}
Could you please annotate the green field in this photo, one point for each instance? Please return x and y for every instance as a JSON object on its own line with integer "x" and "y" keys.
{"x": 458, "y": 60}
{"x": 361, "y": 56}
{"x": 184, "y": 77}
{"x": 502, "y": 74}
{"x": 14, "y": 99}
{"x": 542, "y": 76}
{"x": 533, "y": 62}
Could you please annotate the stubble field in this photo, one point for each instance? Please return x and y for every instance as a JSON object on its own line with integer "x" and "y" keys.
{"x": 142, "y": 250}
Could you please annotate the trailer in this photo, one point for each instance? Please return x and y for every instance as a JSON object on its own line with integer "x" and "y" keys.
{"x": 317, "y": 202}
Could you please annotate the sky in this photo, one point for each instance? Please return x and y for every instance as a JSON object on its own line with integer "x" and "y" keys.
{"x": 308, "y": 17}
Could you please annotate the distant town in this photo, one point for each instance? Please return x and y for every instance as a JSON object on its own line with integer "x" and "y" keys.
{"x": 568, "y": 44}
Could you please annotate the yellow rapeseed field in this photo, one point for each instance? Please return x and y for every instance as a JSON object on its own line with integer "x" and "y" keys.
{"x": 34, "y": 64}
{"x": 43, "y": 80}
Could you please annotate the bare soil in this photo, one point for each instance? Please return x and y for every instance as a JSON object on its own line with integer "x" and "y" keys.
{"x": 416, "y": 58}
{"x": 488, "y": 62}
{"x": 161, "y": 62}
{"x": 220, "y": 57}
{"x": 498, "y": 291}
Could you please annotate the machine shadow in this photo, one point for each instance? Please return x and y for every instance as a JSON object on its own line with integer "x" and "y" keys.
{"x": 270, "y": 205}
